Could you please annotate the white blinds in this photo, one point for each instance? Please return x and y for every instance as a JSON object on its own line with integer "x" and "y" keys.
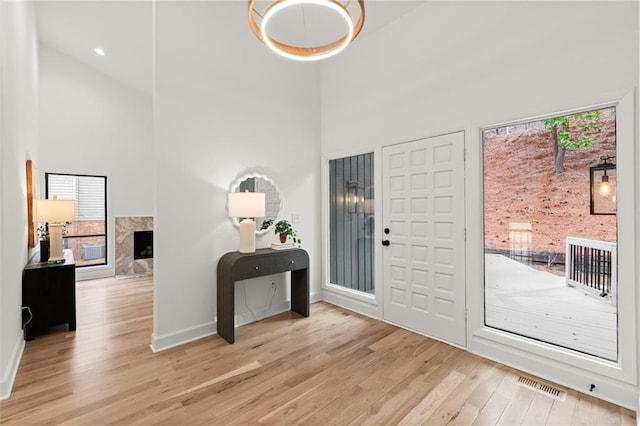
{"x": 88, "y": 191}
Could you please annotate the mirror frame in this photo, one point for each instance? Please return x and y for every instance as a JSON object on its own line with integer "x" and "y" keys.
{"x": 234, "y": 188}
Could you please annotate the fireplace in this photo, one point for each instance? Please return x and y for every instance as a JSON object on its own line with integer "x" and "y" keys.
{"x": 143, "y": 244}
{"x": 134, "y": 246}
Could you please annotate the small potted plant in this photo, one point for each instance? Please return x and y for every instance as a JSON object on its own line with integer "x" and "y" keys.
{"x": 43, "y": 234}
{"x": 284, "y": 229}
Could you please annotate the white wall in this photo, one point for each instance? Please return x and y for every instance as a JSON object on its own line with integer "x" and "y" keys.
{"x": 224, "y": 105}
{"x": 451, "y": 63}
{"x": 92, "y": 124}
{"x": 637, "y": 236}
{"x": 453, "y": 66}
{"x": 18, "y": 137}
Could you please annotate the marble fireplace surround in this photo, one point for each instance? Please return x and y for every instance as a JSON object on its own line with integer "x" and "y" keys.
{"x": 126, "y": 265}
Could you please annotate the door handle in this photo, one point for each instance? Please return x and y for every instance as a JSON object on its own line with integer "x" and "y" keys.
{"x": 385, "y": 242}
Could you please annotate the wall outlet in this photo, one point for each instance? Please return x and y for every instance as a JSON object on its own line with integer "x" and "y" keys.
{"x": 295, "y": 218}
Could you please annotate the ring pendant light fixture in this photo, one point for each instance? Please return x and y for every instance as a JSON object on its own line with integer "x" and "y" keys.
{"x": 305, "y": 53}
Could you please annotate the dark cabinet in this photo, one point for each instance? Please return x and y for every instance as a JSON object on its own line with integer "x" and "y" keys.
{"x": 235, "y": 266}
{"x": 49, "y": 291}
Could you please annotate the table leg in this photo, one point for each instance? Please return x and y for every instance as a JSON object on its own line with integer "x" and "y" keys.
{"x": 300, "y": 291}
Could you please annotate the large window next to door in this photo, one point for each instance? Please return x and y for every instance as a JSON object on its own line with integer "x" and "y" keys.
{"x": 550, "y": 231}
{"x": 86, "y": 236}
{"x": 351, "y": 222}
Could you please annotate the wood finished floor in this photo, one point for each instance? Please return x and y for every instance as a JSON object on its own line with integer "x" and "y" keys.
{"x": 332, "y": 368}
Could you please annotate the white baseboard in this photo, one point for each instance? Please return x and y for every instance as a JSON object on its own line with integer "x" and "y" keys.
{"x": 177, "y": 338}
{"x": 351, "y": 304}
{"x": 94, "y": 272}
{"x": 614, "y": 391}
{"x": 6, "y": 381}
{"x": 180, "y": 337}
{"x": 315, "y": 297}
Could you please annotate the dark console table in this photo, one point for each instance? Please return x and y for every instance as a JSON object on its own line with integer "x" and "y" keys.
{"x": 49, "y": 290}
{"x": 236, "y": 266}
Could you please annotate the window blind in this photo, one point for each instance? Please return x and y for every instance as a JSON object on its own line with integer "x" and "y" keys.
{"x": 88, "y": 191}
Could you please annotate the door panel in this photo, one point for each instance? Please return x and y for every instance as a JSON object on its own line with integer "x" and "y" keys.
{"x": 423, "y": 206}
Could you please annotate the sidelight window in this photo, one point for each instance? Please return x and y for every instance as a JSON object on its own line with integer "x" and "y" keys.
{"x": 351, "y": 222}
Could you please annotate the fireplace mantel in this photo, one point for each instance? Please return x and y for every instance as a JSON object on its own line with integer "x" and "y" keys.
{"x": 126, "y": 265}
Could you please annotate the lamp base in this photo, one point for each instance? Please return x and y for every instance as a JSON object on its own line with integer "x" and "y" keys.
{"x": 55, "y": 249}
{"x": 247, "y": 236}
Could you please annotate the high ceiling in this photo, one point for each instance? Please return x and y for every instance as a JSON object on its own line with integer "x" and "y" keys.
{"x": 124, "y": 30}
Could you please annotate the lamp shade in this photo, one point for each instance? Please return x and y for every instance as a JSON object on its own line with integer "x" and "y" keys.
{"x": 54, "y": 210}
{"x": 246, "y": 204}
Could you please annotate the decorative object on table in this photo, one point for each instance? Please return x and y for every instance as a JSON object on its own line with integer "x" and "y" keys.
{"x": 43, "y": 234}
{"x": 602, "y": 179}
{"x": 303, "y": 17}
{"x": 57, "y": 213}
{"x": 284, "y": 230}
{"x": 246, "y": 205}
{"x": 283, "y": 246}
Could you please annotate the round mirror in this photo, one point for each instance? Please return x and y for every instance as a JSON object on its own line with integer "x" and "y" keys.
{"x": 254, "y": 182}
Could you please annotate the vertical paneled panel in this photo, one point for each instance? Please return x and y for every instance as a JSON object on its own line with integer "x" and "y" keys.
{"x": 351, "y": 222}
{"x": 333, "y": 273}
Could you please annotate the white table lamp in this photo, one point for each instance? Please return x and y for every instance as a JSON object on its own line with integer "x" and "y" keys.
{"x": 247, "y": 205}
{"x": 56, "y": 213}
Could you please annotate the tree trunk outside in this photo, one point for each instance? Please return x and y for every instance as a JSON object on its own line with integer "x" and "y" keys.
{"x": 558, "y": 163}
{"x": 558, "y": 153}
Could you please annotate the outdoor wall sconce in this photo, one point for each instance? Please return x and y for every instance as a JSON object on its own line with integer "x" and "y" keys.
{"x": 351, "y": 195}
{"x": 602, "y": 179}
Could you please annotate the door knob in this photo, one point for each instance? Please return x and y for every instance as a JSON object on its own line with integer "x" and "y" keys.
{"x": 385, "y": 242}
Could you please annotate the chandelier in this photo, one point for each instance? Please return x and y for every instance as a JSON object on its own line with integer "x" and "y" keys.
{"x": 262, "y": 22}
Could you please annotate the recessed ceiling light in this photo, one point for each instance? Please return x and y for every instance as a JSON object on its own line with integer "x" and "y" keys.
{"x": 99, "y": 51}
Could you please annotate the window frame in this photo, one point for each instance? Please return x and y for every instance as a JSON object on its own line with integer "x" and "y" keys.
{"x": 484, "y": 201}
{"x": 615, "y": 381}
{"x": 368, "y": 304}
{"x": 360, "y": 163}
{"x": 106, "y": 221}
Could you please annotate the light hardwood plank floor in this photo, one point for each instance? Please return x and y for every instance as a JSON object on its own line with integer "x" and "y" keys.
{"x": 334, "y": 368}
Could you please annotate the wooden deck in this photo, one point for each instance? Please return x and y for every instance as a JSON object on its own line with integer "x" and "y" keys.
{"x": 538, "y": 304}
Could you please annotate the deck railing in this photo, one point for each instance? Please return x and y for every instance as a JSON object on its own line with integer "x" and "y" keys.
{"x": 592, "y": 265}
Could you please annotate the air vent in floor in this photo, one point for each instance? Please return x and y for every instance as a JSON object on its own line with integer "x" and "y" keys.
{"x": 541, "y": 387}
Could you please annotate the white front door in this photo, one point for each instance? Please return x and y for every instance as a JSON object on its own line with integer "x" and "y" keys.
{"x": 423, "y": 213}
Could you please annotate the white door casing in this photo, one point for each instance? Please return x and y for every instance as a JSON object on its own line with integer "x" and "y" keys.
{"x": 424, "y": 263}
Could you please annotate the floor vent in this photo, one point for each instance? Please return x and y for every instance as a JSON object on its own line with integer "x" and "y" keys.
{"x": 541, "y": 387}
